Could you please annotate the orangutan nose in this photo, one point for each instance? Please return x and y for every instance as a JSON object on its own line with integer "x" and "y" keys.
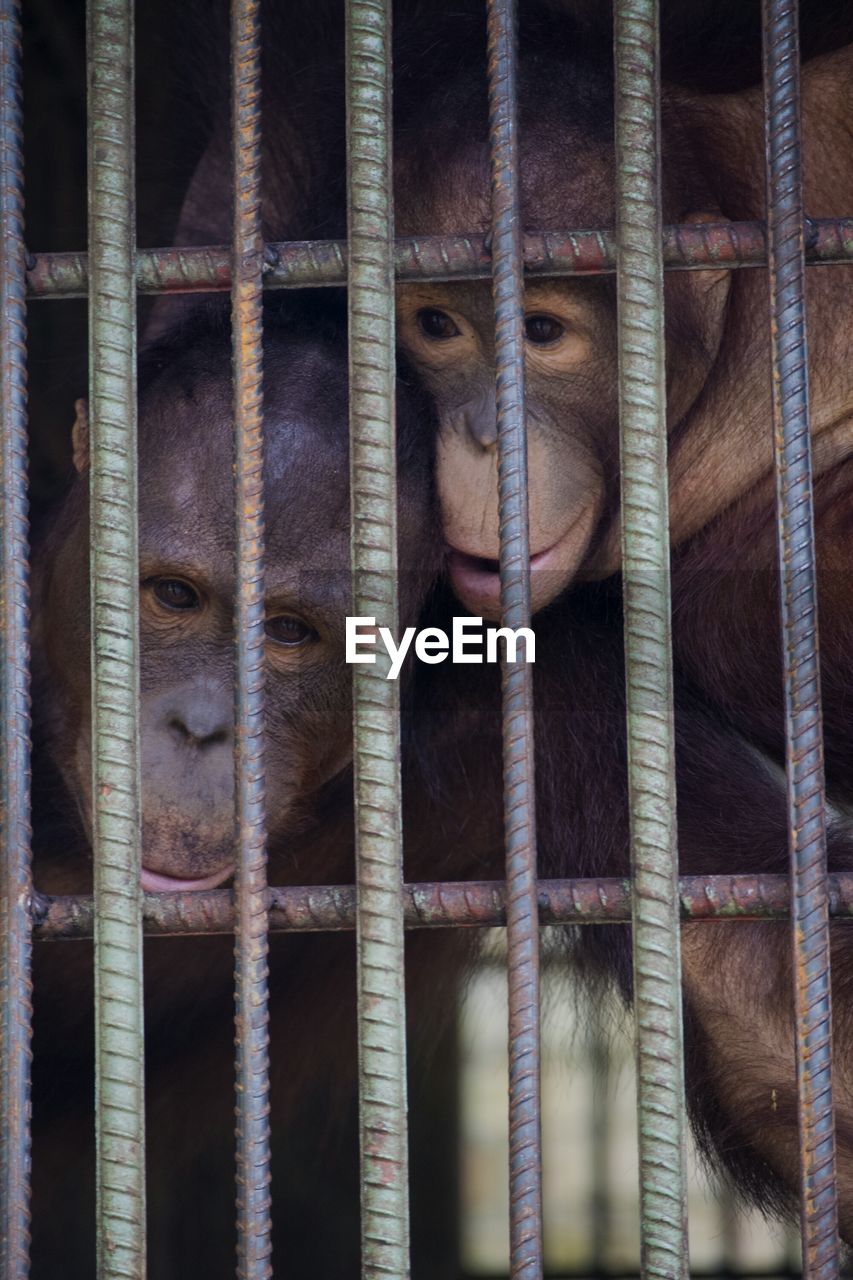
{"x": 199, "y": 717}
{"x": 196, "y": 735}
{"x": 481, "y": 423}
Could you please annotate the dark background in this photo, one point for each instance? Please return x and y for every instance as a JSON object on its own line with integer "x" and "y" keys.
{"x": 709, "y": 44}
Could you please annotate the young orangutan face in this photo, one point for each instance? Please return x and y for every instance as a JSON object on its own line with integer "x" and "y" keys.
{"x": 571, "y": 367}
{"x": 187, "y": 595}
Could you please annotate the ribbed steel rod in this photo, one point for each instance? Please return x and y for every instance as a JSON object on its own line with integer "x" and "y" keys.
{"x": 525, "y": 1138}
{"x": 471, "y": 904}
{"x": 648, "y": 655}
{"x": 798, "y": 588}
{"x": 15, "y": 864}
{"x": 251, "y": 972}
{"x": 373, "y": 489}
{"x": 315, "y": 263}
{"x": 115, "y": 638}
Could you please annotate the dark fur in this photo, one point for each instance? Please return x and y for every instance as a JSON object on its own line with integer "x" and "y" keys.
{"x": 731, "y": 813}
{"x": 189, "y": 1003}
{"x": 729, "y": 724}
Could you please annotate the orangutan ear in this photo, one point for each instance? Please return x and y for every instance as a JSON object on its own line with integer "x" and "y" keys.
{"x": 696, "y": 305}
{"x": 80, "y": 435}
{"x": 713, "y": 284}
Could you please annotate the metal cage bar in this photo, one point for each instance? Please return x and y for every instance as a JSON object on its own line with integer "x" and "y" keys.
{"x": 450, "y": 904}
{"x": 317, "y": 263}
{"x": 376, "y": 712}
{"x": 15, "y": 865}
{"x": 251, "y": 973}
{"x": 798, "y": 591}
{"x": 379, "y": 907}
{"x": 114, "y": 588}
{"x": 648, "y": 653}
{"x": 525, "y": 1139}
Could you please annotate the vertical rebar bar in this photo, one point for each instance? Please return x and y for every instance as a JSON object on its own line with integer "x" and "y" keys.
{"x": 254, "y": 1235}
{"x": 15, "y": 867}
{"x": 648, "y": 656}
{"x": 381, "y": 991}
{"x": 600, "y": 1200}
{"x": 525, "y": 1142}
{"x": 115, "y": 643}
{"x": 798, "y": 586}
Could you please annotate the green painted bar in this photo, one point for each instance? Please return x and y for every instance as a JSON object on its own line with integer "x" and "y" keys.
{"x": 115, "y": 659}
{"x": 648, "y": 659}
{"x": 379, "y": 931}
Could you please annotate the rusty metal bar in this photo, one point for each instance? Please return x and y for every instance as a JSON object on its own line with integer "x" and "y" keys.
{"x": 376, "y": 711}
{"x": 315, "y": 263}
{"x": 473, "y": 904}
{"x": 251, "y": 970}
{"x": 114, "y": 589}
{"x": 525, "y": 1138}
{"x": 798, "y": 590}
{"x": 648, "y": 651}
{"x": 15, "y": 854}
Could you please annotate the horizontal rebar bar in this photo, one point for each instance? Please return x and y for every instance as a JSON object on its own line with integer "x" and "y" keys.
{"x": 312, "y": 263}
{"x": 472, "y": 904}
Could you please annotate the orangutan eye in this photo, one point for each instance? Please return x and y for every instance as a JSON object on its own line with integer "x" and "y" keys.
{"x": 437, "y": 325}
{"x": 288, "y": 631}
{"x": 542, "y": 330}
{"x": 172, "y": 593}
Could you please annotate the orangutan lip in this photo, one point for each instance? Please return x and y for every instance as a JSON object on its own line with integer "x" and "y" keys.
{"x": 480, "y": 564}
{"x": 155, "y": 882}
{"x": 476, "y": 579}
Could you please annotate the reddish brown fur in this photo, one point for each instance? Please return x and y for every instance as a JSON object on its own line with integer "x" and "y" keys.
{"x": 726, "y": 630}
{"x": 731, "y": 812}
